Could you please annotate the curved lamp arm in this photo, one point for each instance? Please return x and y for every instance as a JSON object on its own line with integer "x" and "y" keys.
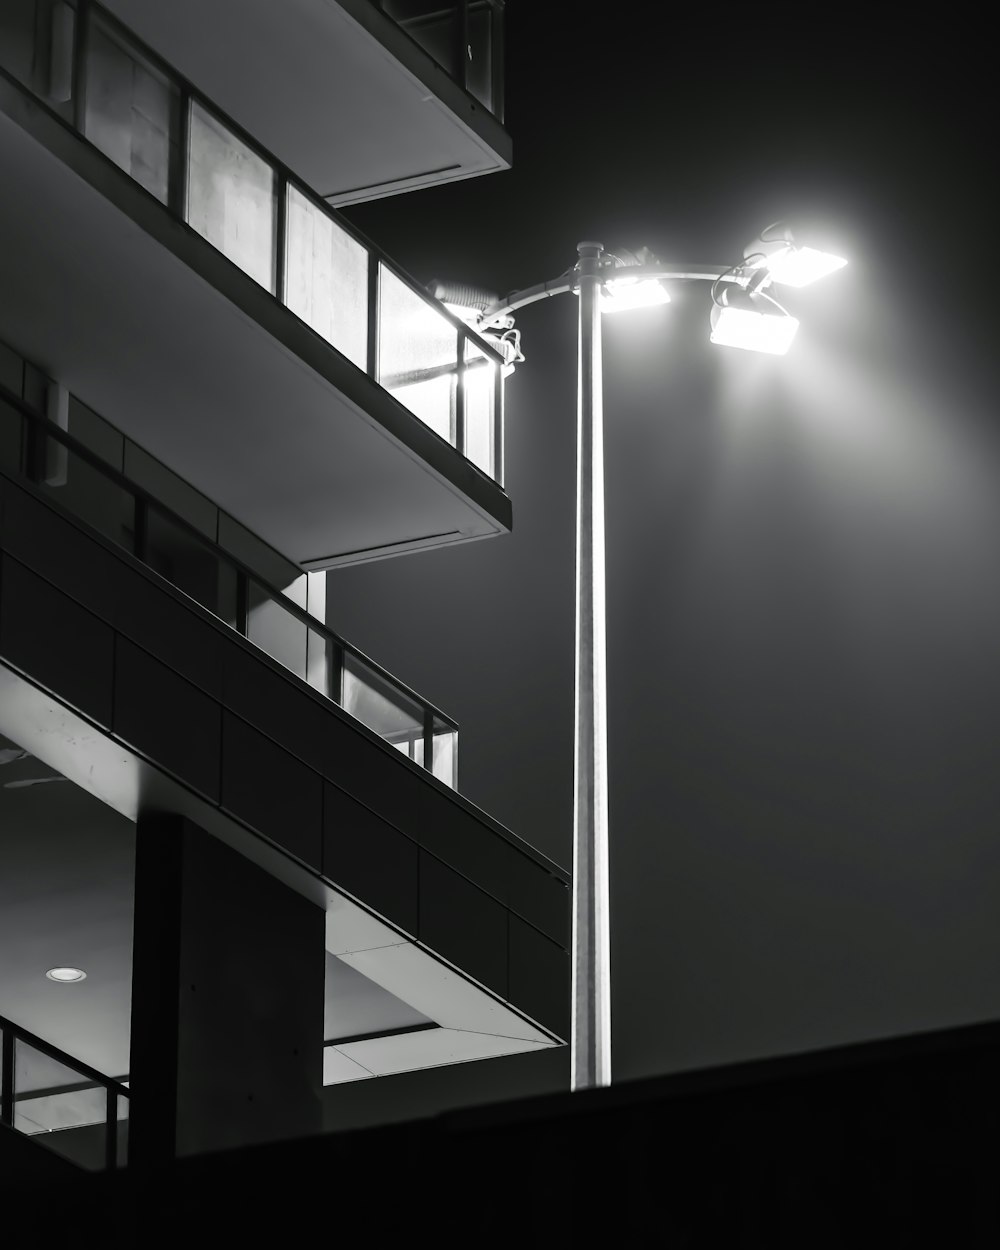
{"x": 570, "y": 281}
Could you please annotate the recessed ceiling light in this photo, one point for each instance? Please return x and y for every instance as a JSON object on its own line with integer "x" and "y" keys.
{"x": 66, "y": 976}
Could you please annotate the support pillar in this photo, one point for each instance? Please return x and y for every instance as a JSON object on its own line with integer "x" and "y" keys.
{"x": 227, "y": 999}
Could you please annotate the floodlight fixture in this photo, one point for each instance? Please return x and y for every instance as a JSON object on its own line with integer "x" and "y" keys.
{"x": 787, "y": 263}
{"x": 749, "y": 324}
{"x": 625, "y": 294}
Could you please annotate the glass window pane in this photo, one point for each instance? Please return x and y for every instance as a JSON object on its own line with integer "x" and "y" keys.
{"x": 480, "y": 393}
{"x": 379, "y": 705}
{"x": 131, "y": 110}
{"x": 231, "y": 196}
{"x": 417, "y": 354}
{"x": 277, "y": 631}
{"x": 444, "y": 744}
{"x": 87, "y": 492}
{"x": 191, "y": 565}
{"x": 61, "y": 1108}
{"x": 326, "y": 278}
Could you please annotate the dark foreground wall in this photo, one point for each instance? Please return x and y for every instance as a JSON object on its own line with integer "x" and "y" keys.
{"x": 880, "y": 1144}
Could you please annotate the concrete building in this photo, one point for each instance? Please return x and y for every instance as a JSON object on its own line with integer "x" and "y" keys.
{"x": 246, "y": 835}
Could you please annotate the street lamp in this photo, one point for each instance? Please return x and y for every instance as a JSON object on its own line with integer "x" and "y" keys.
{"x": 744, "y": 314}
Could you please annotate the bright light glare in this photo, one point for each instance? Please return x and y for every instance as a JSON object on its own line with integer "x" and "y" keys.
{"x": 757, "y": 332}
{"x": 469, "y": 315}
{"x": 798, "y": 266}
{"x": 624, "y": 294}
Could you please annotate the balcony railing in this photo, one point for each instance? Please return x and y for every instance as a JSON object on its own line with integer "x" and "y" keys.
{"x": 148, "y": 120}
{"x": 465, "y": 37}
{"x": 46, "y": 1094}
{"x": 91, "y": 490}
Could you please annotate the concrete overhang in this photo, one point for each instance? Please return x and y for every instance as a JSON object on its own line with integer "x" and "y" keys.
{"x": 147, "y": 323}
{"x": 333, "y": 88}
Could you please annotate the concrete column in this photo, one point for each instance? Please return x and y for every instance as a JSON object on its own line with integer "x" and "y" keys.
{"x": 227, "y": 999}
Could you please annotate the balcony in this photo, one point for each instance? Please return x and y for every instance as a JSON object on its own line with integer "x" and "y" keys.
{"x": 178, "y": 278}
{"x": 361, "y": 98}
{"x": 444, "y": 930}
{"x": 273, "y": 618}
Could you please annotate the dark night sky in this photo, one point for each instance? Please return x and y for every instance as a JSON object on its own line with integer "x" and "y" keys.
{"x": 804, "y": 598}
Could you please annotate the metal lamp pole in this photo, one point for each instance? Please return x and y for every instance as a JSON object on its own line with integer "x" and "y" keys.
{"x": 591, "y": 977}
{"x": 591, "y": 973}
{"x": 590, "y": 1039}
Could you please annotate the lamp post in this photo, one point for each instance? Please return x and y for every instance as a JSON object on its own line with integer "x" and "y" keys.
{"x": 742, "y": 316}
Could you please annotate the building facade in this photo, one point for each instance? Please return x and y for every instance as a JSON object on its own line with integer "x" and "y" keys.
{"x": 247, "y": 835}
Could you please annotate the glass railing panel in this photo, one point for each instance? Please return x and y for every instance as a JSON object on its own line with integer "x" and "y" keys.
{"x": 276, "y": 630}
{"x": 17, "y": 41}
{"x": 444, "y": 749}
{"x": 326, "y": 277}
{"x": 197, "y": 568}
{"x": 121, "y": 1154}
{"x": 132, "y": 111}
{"x": 417, "y": 354}
{"x": 85, "y": 490}
{"x": 56, "y": 1105}
{"x": 231, "y": 196}
{"x": 470, "y": 56}
{"x": 321, "y": 664}
{"x": 11, "y": 436}
{"x": 37, "y": 47}
{"x": 480, "y": 407}
{"x": 378, "y": 704}
{"x": 479, "y": 54}
{"x": 433, "y": 25}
